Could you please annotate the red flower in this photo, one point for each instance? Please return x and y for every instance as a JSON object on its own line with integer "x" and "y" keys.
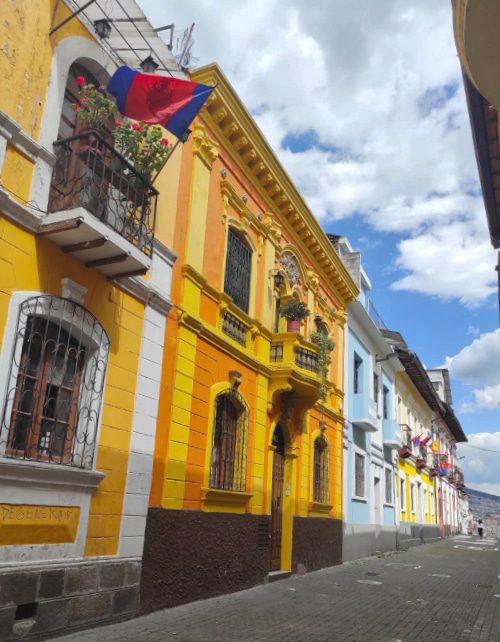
{"x": 81, "y": 81}
{"x": 136, "y": 127}
{"x": 75, "y": 107}
{"x": 118, "y": 123}
{"x": 164, "y": 141}
{"x": 88, "y": 92}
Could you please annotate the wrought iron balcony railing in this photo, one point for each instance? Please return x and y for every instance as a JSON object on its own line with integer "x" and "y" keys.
{"x": 90, "y": 173}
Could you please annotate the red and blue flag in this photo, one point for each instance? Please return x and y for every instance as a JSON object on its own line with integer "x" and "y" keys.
{"x": 158, "y": 100}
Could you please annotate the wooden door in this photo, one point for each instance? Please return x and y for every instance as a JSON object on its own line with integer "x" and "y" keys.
{"x": 277, "y": 498}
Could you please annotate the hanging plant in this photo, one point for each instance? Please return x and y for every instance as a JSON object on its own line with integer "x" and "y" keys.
{"x": 93, "y": 108}
{"x": 142, "y": 145}
{"x": 325, "y": 345}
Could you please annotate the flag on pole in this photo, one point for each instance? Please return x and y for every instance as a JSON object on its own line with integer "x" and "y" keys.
{"x": 416, "y": 440}
{"x": 444, "y": 468}
{"x": 425, "y": 440}
{"x": 158, "y": 100}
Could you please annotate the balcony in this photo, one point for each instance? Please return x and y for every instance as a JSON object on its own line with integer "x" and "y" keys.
{"x": 364, "y": 412}
{"x": 295, "y": 366}
{"x": 391, "y": 433}
{"x": 101, "y": 210}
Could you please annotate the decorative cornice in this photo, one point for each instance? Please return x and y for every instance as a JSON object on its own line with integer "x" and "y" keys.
{"x": 226, "y": 115}
{"x": 203, "y": 146}
{"x": 12, "y": 132}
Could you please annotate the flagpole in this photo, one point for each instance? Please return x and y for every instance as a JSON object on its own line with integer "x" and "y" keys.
{"x": 183, "y": 139}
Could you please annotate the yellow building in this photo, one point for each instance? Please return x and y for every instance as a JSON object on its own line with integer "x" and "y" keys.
{"x": 417, "y": 406}
{"x": 247, "y": 475}
{"x": 84, "y": 294}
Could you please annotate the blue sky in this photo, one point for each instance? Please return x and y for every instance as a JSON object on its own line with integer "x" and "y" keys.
{"x": 363, "y": 104}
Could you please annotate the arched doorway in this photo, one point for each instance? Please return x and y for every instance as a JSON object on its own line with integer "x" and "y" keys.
{"x": 277, "y": 497}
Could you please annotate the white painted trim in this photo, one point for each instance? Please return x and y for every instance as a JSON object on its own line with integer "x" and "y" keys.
{"x": 65, "y": 54}
{"x": 12, "y": 133}
{"x": 35, "y": 472}
{"x": 142, "y": 441}
{"x": 20, "y": 214}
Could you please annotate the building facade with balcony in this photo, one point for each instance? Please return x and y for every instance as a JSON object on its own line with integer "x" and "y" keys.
{"x": 371, "y": 433}
{"x": 247, "y": 480}
{"x": 85, "y": 277}
{"x": 450, "y": 480}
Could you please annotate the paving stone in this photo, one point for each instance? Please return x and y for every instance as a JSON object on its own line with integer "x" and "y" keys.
{"x": 415, "y": 601}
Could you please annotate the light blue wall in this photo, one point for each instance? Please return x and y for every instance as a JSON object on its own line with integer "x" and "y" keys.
{"x": 354, "y": 345}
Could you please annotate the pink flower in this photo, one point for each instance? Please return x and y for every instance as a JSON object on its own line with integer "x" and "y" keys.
{"x": 164, "y": 141}
{"x": 136, "y": 127}
{"x": 75, "y": 107}
{"x": 81, "y": 81}
{"x": 118, "y": 123}
{"x": 88, "y": 92}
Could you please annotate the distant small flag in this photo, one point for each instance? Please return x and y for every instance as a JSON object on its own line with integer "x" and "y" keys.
{"x": 444, "y": 468}
{"x": 416, "y": 441}
{"x": 434, "y": 446}
{"x": 425, "y": 440}
{"x": 158, "y": 100}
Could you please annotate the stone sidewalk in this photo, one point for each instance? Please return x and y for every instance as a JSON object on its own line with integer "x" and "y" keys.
{"x": 437, "y": 592}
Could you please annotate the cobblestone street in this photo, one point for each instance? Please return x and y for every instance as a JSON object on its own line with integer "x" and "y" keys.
{"x": 444, "y": 591}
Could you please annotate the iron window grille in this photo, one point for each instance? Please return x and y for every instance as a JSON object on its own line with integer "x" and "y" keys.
{"x": 229, "y": 446}
{"x": 55, "y": 384}
{"x": 276, "y": 352}
{"x": 359, "y": 474}
{"x": 307, "y": 359}
{"x": 238, "y": 271}
{"x": 321, "y": 475}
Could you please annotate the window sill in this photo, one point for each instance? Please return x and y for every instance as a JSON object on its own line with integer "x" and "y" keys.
{"x": 35, "y": 472}
{"x": 218, "y": 496}
{"x": 355, "y": 498}
{"x": 319, "y": 507}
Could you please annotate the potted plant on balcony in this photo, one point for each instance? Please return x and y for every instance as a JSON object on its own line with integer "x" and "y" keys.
{"x": 94, "y": 108}
{"x": 433, "y": 472}
{"x": 404, "y": 452}
{"x": 420, "y": 463}
{"x": 294, "y": 312}
{"x": 142, "y": 145}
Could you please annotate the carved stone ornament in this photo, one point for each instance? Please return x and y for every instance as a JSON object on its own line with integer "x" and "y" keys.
{"x": 235, "y": 378}
{"x": 223, "y": 172}
{"x": 273, "y": 228}
{"x": 203, "y": 146}
{"x": 289, "y": 264}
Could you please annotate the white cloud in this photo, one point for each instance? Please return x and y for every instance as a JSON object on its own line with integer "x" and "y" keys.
{"x": 477, "y": 365}
{"x": 479, "y": 362}
{"x": 481, "y": 469}
{"x": 380, "y": 86}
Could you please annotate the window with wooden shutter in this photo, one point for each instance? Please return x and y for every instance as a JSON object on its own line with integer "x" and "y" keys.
{"x": 238, "y": 271}
{"x": 321, "y": 471}
{"x": 228, "y": 461}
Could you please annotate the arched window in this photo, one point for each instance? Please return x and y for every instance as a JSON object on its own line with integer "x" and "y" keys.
{"x": 321, "y": 471}
{"x": 238, "y": 270}
{"x": 55, "y": 385}
{"x": 229, "y": 447}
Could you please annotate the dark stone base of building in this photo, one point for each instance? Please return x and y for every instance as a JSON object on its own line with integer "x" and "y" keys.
{"x": 39, "y": 602}
{"x": 411, "y": 534}
{"x": 317, "y": 543}
{"x": 191, "y": 555}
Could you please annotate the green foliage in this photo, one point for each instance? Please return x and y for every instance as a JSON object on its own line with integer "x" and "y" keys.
{"x": 142, "y": 145}
{"x": 93, "y": 108}
{"x": 326, "y": 346}
{"x": 294, "y": 310}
